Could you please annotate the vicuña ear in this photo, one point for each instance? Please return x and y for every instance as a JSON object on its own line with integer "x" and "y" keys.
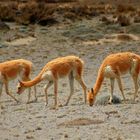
{"x": 20, "y": 82}
{"x": 92, "y": 90}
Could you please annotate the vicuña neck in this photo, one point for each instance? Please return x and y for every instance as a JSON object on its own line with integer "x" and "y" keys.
{"x": 36, "y": 80}
{"x": 99, "y": 81}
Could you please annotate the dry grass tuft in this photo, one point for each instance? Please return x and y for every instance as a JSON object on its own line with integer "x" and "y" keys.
{"x": 107, "y": 20}
{"x": 44, "y": 11}
{"x": 47, "y": 12}
{"x": 125, "y": 8}
{"x": 7, "y": 11}
{"x": 137, "y": 17}
{"x": 123, "y": 20}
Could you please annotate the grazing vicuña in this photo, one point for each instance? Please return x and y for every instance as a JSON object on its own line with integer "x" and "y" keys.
{"x": 113, "y": 67}
{"x": 70, "y": 66}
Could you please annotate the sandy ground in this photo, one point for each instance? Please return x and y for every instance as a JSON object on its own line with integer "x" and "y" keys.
{"x": 92, "y": 41}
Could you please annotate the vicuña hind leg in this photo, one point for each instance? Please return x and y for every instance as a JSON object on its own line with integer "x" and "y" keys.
{"x": 135, "y": 80}
{"x": 71, "y": 83}
{"x": 35, "y": 93}
{"x": 29, "y": 95}
{"x": 112, "y": 89}
{"x": 138, "y": 81}
{"x": 46, "y": 88}
{"x": 1, "y": 85}
{"x": 120, "y": 86}
{"x": 79, "y": 79}
{"x": 55, "y": 94}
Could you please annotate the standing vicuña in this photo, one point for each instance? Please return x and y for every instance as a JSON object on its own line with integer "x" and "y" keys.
{"x": 70, "y": 66}
{"x": 9, "y": 70}
{"x": 113, "y": 67}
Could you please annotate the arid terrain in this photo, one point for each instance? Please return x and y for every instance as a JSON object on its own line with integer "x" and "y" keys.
{"x": 92, "y": 39}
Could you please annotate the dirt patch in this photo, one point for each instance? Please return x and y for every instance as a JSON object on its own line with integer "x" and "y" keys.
{"x": 127, "y": 37}
{"x": 131, "y": 122}
{"x": 21, "y": 41}
{"x": 114, "y": 38}
{"x": 81, "y": 121}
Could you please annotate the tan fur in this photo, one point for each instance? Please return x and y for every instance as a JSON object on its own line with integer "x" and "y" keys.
{"x": 70, "y": 66}
{"x": 113, "y": 67}
{"x": 9, "y": 70}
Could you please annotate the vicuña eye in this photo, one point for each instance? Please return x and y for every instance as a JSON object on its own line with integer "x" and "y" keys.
{"x": 91, "y": 100}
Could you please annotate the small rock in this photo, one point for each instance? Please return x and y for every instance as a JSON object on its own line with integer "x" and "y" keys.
{"x": 61, "y": 116}
{"x": 3, "y": 46}
{"x": 2, "y": 107}
{"x": 4, "y": 26}
{"x": 16, "y": 135}
{"x": 66, "y": 136}
{"x": 29, "y": 137}
{"x": 105, "y": 100}
{"x": 38, "y": 128}
{"x": 137, "y": 19}
{"x": 23, "y": 29}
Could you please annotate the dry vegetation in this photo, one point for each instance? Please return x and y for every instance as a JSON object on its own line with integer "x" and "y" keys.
{"x": 48, "y": 12}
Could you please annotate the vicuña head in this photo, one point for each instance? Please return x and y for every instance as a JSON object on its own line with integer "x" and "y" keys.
{"x": 91, "y": 97}
{"x": 20, "y": 87}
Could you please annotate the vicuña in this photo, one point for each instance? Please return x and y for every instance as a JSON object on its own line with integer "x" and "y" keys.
{"x": 113, "y": 67}
{"x": 10, "y": 70}
{"x": 70, "y": 66}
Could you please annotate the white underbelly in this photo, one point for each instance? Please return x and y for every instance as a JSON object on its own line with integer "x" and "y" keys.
{"x": 108, "y": 72}
{"x": 47, "y": 75}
